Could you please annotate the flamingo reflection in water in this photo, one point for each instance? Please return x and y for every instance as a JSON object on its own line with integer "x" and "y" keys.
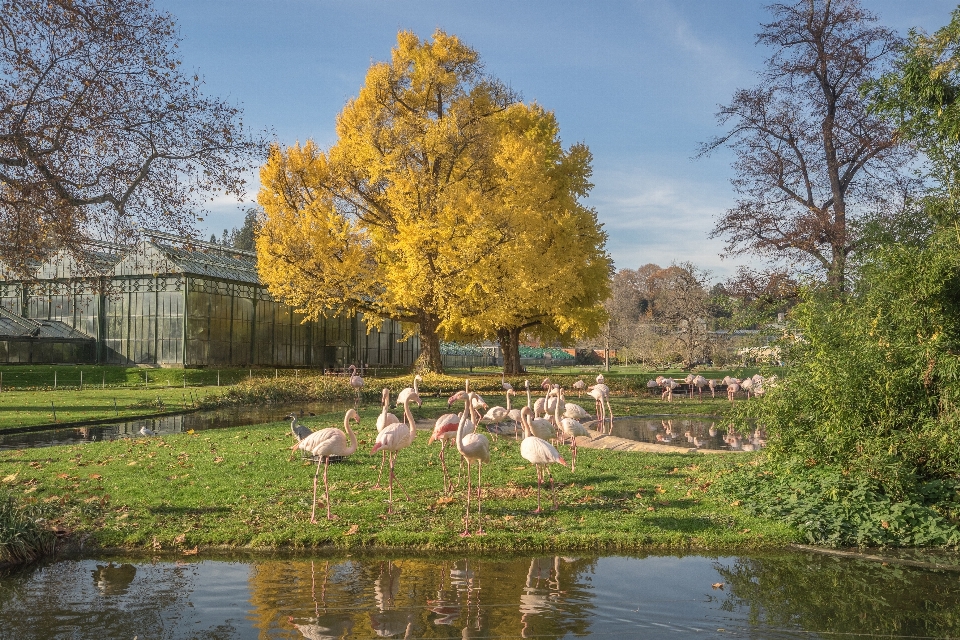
{"x": 536, "y": 599}
{"x": 389, "y": 621}
{"x": 467, "y": 582}
{"x": 445, "y": 605}
{"x": 323, "y": 626}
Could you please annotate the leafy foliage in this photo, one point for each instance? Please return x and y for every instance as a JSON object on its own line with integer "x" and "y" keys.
{"x": 23, "y": 536}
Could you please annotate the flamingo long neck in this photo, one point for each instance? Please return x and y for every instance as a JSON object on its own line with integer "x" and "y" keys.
{"x": 527, "y": 383}
{"x": 352, "y": 447}
{"x": 385, "y": 398}
{"x": 508, "y": 400}
{"x": 525, "y": 422}
{"x": 416, "y": 389}
{"x": 463, "y": 421}
{"x": 408, "y": 416}
{"x": 556, "y": 409}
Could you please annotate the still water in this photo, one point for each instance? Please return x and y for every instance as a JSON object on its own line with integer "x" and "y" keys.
{"x": 198, "y": 421}
{"x": 781, "y": 595}
{"x": 693, "y": 432}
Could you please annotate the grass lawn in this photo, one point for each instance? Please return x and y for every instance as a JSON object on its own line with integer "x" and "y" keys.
{"x": 33, "y": 408}
{"x": 242, "y": 487}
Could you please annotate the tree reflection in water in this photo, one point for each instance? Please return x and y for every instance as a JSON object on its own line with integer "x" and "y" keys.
{"x": 778, "y": 595}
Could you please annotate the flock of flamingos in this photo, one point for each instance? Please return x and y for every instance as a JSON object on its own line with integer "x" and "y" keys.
{"x": 549, "y": 421}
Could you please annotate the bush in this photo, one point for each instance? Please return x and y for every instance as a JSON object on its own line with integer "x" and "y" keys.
{"x": 23, "y": 536}
{"x": 872, "y": 395}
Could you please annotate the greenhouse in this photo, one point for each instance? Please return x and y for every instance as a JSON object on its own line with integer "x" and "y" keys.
{"x": 171, "y": 304}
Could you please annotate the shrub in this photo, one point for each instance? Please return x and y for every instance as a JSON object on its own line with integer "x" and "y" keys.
{"x": 23, "y": 536}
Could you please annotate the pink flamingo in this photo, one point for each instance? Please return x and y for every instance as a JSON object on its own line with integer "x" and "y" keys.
{"x": 323, "y": 444}
{"x": 579, "y": 385}
{"x": 540, "y": 453}
{"x": 601, "y": 394}
{"x": 383, "y": 420}
{"x": 395, "y": 437}
{"x": 445, "y": 430}
{"x": 355, "y": 381}
{"x": 473, "y": 447}
{"x": 569, "y": 427}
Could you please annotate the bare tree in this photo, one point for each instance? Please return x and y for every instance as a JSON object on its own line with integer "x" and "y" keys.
{"x": 812, "y": 164}
{"x": 101, "y": 131}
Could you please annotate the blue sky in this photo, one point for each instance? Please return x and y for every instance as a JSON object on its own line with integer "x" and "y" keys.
{"x": 638, "y": 82}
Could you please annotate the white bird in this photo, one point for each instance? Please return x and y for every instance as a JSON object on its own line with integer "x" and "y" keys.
{"x": 355, "y": 381}
{"x": 747, "y": 385}
{"x": 569, "y": 428}
{"x": 575, "y": 411}
{"x": 513, "y": 413}
{"x": 668, "y": 385}
{"x": 579, "y": 385}
{"x": 540, "y": 453}
{"x": 147, "y": 431}
{"x": 713, "y": 387}
{"x": 503, "y": 383}
{"x": 495, "y": 415}
{"x": 699, "y": 382}
{"x": 395, "y": 437}
{"x": 322, "y": 445}
{"x": 601, "y": 394}
{"x": 408, "y": 390}
{"x": 474, "y": 447}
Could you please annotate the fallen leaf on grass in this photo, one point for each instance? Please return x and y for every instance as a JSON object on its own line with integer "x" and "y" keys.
{"x": 62, "y": 476}
{"x": 51, "y": 498}
{"x": 745, "y": 531}
{"x": 10, "y": 478}
{"x": 95, "y": 476}
{"x": 736, "y": 503}
{"x": 30, "y": 490}
{"x": 352, "y": 530}
{"x": 508, "y": 517}
{"x": 650, "y": 509}
{"x": 90, "y": 499}
{"x": 589, "y": 488}
{"x": 132, "y": 463}
{"x": 180, "y": 538}
{"x": 218, "y": 459}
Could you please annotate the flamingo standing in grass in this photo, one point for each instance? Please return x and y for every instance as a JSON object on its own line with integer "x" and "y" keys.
{"x": 355, "y": 381}
{"x": 539, "y": 453}
{"x": 395, "y": 437}
{"x": 323, "y": 444}
{"x": 445, "y": 430}
{"x": 384, "y": 420}
{"x": 699, "y": 382}
{"x": 571, "y": 428}
{"x": 408, "y": 390}
{"x": 513, "y": 413}
{"x": 474, "y": 447}
{"x": 579, "y": 385}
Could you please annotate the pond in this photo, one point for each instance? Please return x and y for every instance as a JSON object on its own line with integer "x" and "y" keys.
{"x": 775, "y": 595}
{"x": 700, "y": 432}
{"x": 198, "y": 421}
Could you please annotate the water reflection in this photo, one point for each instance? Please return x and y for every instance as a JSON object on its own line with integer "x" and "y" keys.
{"x": 694, "y": 433}
{"x": 786, "y": 595}
{"x": 198, "y": 421}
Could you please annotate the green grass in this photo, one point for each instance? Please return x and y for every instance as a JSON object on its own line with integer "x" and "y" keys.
{"x": 33, "y": 408}
{"x": 46, "y": 377}
{"x": 242, "y": 487}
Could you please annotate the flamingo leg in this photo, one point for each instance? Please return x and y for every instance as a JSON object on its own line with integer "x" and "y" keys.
{"x": 326, "y": 487}
{"x": 313, "y": 511}
{"x": 447, "y": 484}
{"x": 390, "y": 502}
{"x": 611, "y": 415}
{"x": 553, "y": 490}
{"x": 539, "y": 482}
{"x": 573, "y": 463}
{"x": 479, "y": 497}
{"x": 383, "y": 462}
{"x": 466, "y": 518}
{"x": 401, "y": 487}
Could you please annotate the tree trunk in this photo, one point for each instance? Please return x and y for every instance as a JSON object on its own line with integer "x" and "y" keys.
{"x": 510, "y": 346}
{"x": 429, "y": 360}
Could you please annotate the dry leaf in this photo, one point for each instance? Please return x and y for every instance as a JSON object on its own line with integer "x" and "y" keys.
{"x": 650, "y": 509}
{"x": 132, "y": 463}
{"x": 10, "y": 478}
{"x": 191, "y": 552}
{"x": 588, "y": 488}
{"x": 95, "y": 476}
{"x": 218, "y": 459}
{"x": 736, "y": 503}
{"x": 63, "y": 476}
{"x": 352, "y": 530}
{"x": 717, "y": 585}
{"x": 180, "y": 538}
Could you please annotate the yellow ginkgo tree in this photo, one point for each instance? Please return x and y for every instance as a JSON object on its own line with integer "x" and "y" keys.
{"x": 424, "y": 202}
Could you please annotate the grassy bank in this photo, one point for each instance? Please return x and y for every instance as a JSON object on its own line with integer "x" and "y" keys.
{"x": 242, "y": 487}
{"x": 37, "y": 408}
